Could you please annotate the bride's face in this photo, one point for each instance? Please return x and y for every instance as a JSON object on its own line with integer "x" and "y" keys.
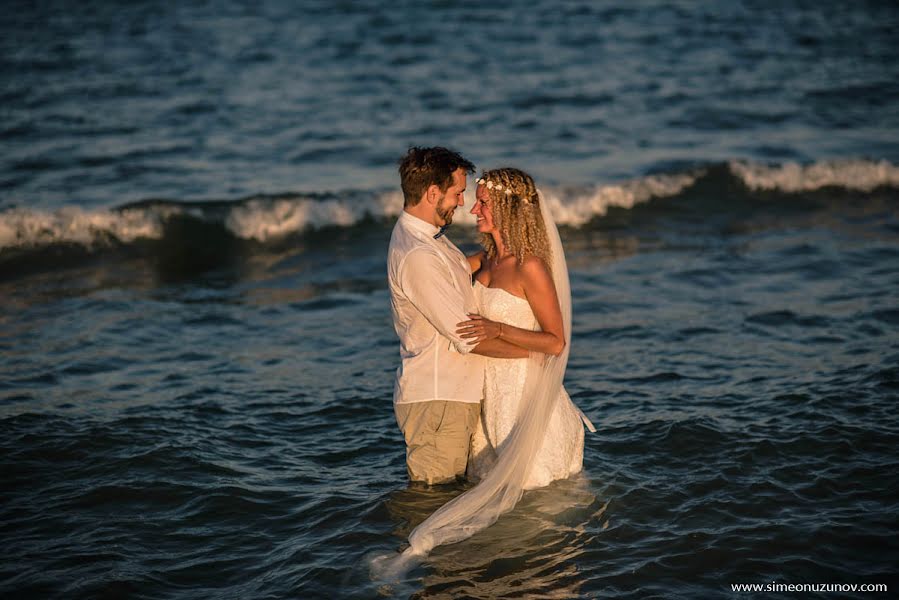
{"x": 482, "y": 210}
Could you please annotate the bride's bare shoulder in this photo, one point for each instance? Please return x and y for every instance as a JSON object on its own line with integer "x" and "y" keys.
{"x": 534, "y": 275}
{"x": 533, "y": 266}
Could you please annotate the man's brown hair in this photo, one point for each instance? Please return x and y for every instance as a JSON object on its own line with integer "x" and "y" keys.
{"x": 421, "y": 168}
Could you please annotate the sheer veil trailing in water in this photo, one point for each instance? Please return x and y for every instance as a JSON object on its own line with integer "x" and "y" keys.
{"x": 501, "y": 488}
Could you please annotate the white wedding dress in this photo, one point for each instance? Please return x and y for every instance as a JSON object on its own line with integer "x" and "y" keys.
{"x": 562, "y": 452}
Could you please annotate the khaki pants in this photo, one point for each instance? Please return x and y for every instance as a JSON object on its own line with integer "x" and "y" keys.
{"x": 438, "y": 434}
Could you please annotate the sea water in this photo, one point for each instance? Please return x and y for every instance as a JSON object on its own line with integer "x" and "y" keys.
{"x": 196, "y": 350}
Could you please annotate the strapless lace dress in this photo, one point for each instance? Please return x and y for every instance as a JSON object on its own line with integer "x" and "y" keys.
{"x": 562, "y": 452}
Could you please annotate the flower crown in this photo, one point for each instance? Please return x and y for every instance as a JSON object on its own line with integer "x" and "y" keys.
{"x": 498, "y": 187}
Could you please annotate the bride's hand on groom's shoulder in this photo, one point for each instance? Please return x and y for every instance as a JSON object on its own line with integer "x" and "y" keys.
{"x": 478, "y": 328}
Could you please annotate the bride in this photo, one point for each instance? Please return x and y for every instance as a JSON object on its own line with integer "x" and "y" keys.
{"x": 518, "y": 303}
{"x": 530, "y": 432}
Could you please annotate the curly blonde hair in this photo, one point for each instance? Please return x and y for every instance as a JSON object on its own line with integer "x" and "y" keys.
{"x": 516, "y": 215}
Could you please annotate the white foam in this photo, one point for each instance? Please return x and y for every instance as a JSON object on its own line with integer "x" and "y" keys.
{"x": 23, "y": 227}
{"x": 266, "y": 219}
{"x": 578, "y": 209}
{"x": 860, "y": 175}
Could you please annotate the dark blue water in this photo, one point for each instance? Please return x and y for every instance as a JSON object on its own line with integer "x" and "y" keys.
{"x": 196, "y": 349}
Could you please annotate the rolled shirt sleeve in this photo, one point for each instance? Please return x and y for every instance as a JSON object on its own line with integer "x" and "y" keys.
{"x": 428, "y": 283}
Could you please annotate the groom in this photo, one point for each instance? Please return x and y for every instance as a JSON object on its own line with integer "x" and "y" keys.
{"x": 438, "y": 386}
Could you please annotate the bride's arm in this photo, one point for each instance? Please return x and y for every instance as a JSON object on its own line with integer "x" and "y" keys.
{"x": 474, "y": 261}
{"x": 496, "y": 348}
{"x": 541, "y": 294}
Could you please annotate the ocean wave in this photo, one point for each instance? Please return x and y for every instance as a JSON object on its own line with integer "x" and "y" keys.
{"x": 791, "y": 177}
{"x": 33, "y": 228}
{"x": 265, "y": 219}
{"x": 578, "y": 208}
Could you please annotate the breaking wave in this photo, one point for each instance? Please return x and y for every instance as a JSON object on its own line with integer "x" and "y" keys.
{"x": 264, "y": 219}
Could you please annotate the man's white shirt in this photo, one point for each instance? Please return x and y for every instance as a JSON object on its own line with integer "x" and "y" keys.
{"x": 430, "y": 292}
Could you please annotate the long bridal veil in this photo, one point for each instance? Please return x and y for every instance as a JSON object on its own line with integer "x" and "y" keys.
{"x": 499, "y": 491}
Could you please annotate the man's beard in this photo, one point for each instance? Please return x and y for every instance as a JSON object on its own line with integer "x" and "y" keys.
{"x": 446, "y": 214}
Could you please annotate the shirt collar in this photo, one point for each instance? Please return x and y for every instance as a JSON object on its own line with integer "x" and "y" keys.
{"x": 417, "y": 224}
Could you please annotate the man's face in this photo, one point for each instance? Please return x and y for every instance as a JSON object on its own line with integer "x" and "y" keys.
{"x": 452, "y": 199}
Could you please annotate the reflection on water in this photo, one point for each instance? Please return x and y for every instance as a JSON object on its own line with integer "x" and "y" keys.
{"x": 532, "y": 550}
